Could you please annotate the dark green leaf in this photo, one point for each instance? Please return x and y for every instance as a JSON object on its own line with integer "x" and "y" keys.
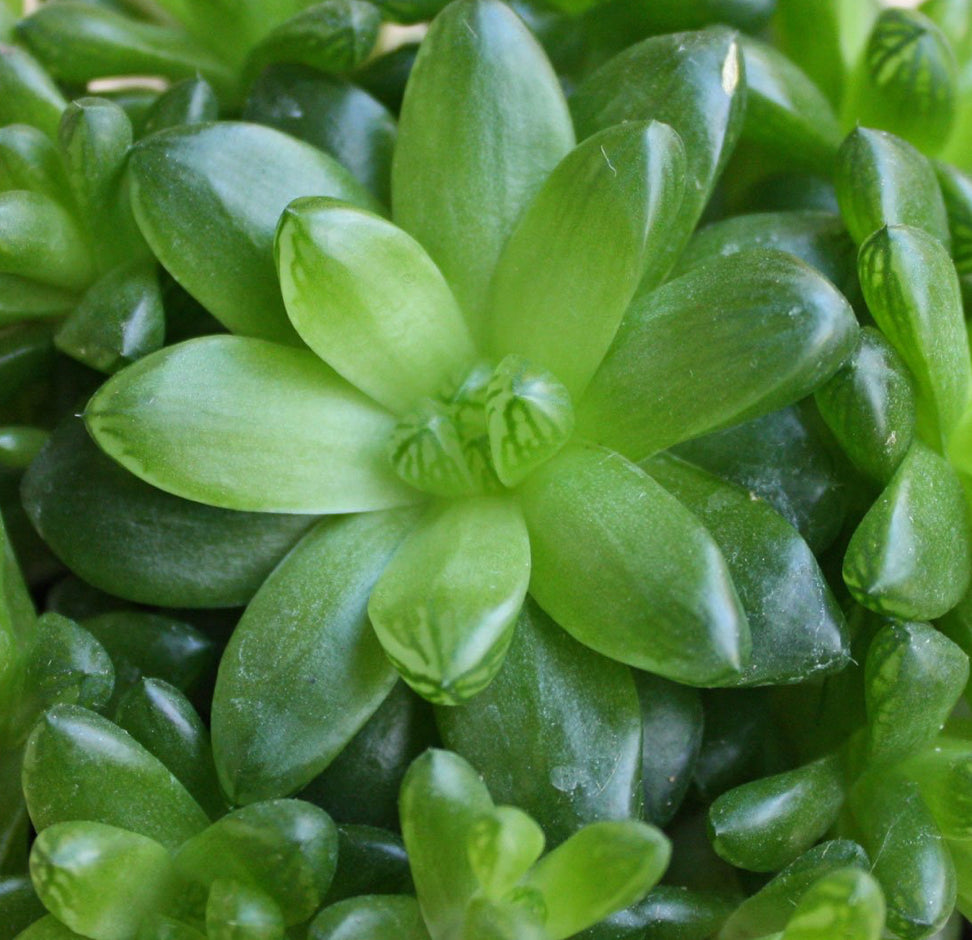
{"x": 627, "y": 570}
{"x": 19, "y": 906}
{"x": 191, "y": 101}
{"x": 883, "y": 180}
{"x": 368, "y": 918}
{"x": 303, "y": 671}
{"x": 207, "y": 198}
{"x": 28, "y": 95}
{"x": 163, "y": 721}
{"x": 462, "y": 176}
{"x": 729, "y": 340}
{"x": 557, "y": 732}
{"x": 79, "y": 765}
{"x": 598, "y": 226}
{"x": 30, "y": 160}
{"x": 911, "y": 555}
{"x": 869, "y": 405}
{"x": 287, "y": 848}
{"x": 333, "y": 115}
{"x": 797, "y": 629}
{"x": 693, "y": 82}
{"x": 370, "y": 861}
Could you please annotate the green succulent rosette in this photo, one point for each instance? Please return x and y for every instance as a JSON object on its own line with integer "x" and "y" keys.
{"x": 469, "y": 390}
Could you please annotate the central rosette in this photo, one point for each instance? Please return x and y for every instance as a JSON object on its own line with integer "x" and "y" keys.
{"x": 491, "y": 431}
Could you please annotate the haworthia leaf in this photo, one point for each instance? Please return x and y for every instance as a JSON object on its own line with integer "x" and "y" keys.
{"x": 17, "y": 631}
{"x": 768, "y": 331}
{"x": 79, "y": 765}
{"x": 911, "y": 556}
{"x": 303, "y": 671}
{"x": 769, "y": 909}
{"x": 333, "y": 36}
{"x": 78, "y": 42}
{"x": 883, "y": 180}
{"x": 28, "y": 95}
{"x": 768, "y": 823}
{"x": 30, "y": 160}
{"x": 905, "y": 80}
{"x": 370, "y": 861}
{"x": 797, "y": 629}
{"x": 247, "y": 424}
{"x": 392, "y": 917}
{"x": 693, "y": 82}
{"x": 368, "y": 300}
{"x": 332, "y": 114}
{"x": 665, "y": 603}
{"x": 601, "y": 869}
{"x": 785, "y": 112}
{"x": 236, "y": 909}
{"x": 668, "y": 912}
{"x": 557, "y": 732}
{"x": 287, "y": 848}
{"x": 869, "y": 405}
{"x": 944, "y": 775}
{"x": 207, "y": 199}
{"x": 598, "y": 226}
{"x": 100, "y": 880}
{"x": 41, "y": 241}
{"x": 462, "y": 176}
{"x": 910, "y": 858}
{"x": 844, "y": 905}
{"x": 445, "y": 606}
{"x": 83, "y": 505}
{"x": 160, "y": 717}
{"x": 908, "y": 664}
{"x": 191, "y": 101}
{"x": 442, "y": 797}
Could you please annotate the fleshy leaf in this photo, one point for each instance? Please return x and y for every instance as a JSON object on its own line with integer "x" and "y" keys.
{"x": 118, "y": 320}
{"x": 598, "y": 226}
{"x": 333, "y": 36}
{"x": 370, "y": 302}
{"x": 913, "y": 293}
{"x": 246, "y": 424}
{"x": 442, "y": 798}
{"x": 671, "y": 722}
{"x": 332, "y": 114}
{"x": 869, "y": 405}
{"x": 603, "y": 868}
{"x": 845, "y": 905}
{"x": 910, "y": 858}
{"x": 944, "y": 776}
{"x": 287, "y": 848}
{"x": 462, "y": 176}
{"x": 41, "y": 241}
{"x": 236, "y": 910}
{"x": 82, "y": 504}
{"x": 29, "y": 160}
{"x": 28, "y": 95}
{"x": 905, "y": 80}
{"x": 797, "y": 628}
{"x": 390, "y": 917}
{"x": 731, "y": 339}
{"x": 768, "y": 823}
{"x": 627, "y": 570}
{"x": 529, "y": 417}
{"x": 557, "y": 732}
{"x": 503, "y": 844}
{"x": 445, "y": 607}
{"x": 163, "y": 721}
{"x": 914, "y": 676}
{"x": 768, "y": 910}
{"x": 78, "y": 42}
{"x": 78, "y": 765}
{"x": 785, "y": 112}
{"x": 693, "y": 82}
{"x": 207, "y": 199}
{"x": 911, "y": 556}
{"x": 99, "y": 880}
{"x": 303, "y": 671}
{"x": 883, "y": 180}
{"x": 191, "y": 101}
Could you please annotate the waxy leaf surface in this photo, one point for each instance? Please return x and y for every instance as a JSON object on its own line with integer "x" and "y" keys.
{"x": 462, "y": 176}
{"x": 303, "y": 670}
{"x": 664, "y": 602}
{"x": 729, "y": 340}
{"x": 246, "y": 424}
{"x": 389, "y": 917}
{"x": 207, "y": 199}
{"x": 844, "y": 905}
{"x": 445, "y": 606}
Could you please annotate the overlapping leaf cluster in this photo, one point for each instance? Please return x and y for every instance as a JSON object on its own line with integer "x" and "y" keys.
{"x": 507, "y": 484}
